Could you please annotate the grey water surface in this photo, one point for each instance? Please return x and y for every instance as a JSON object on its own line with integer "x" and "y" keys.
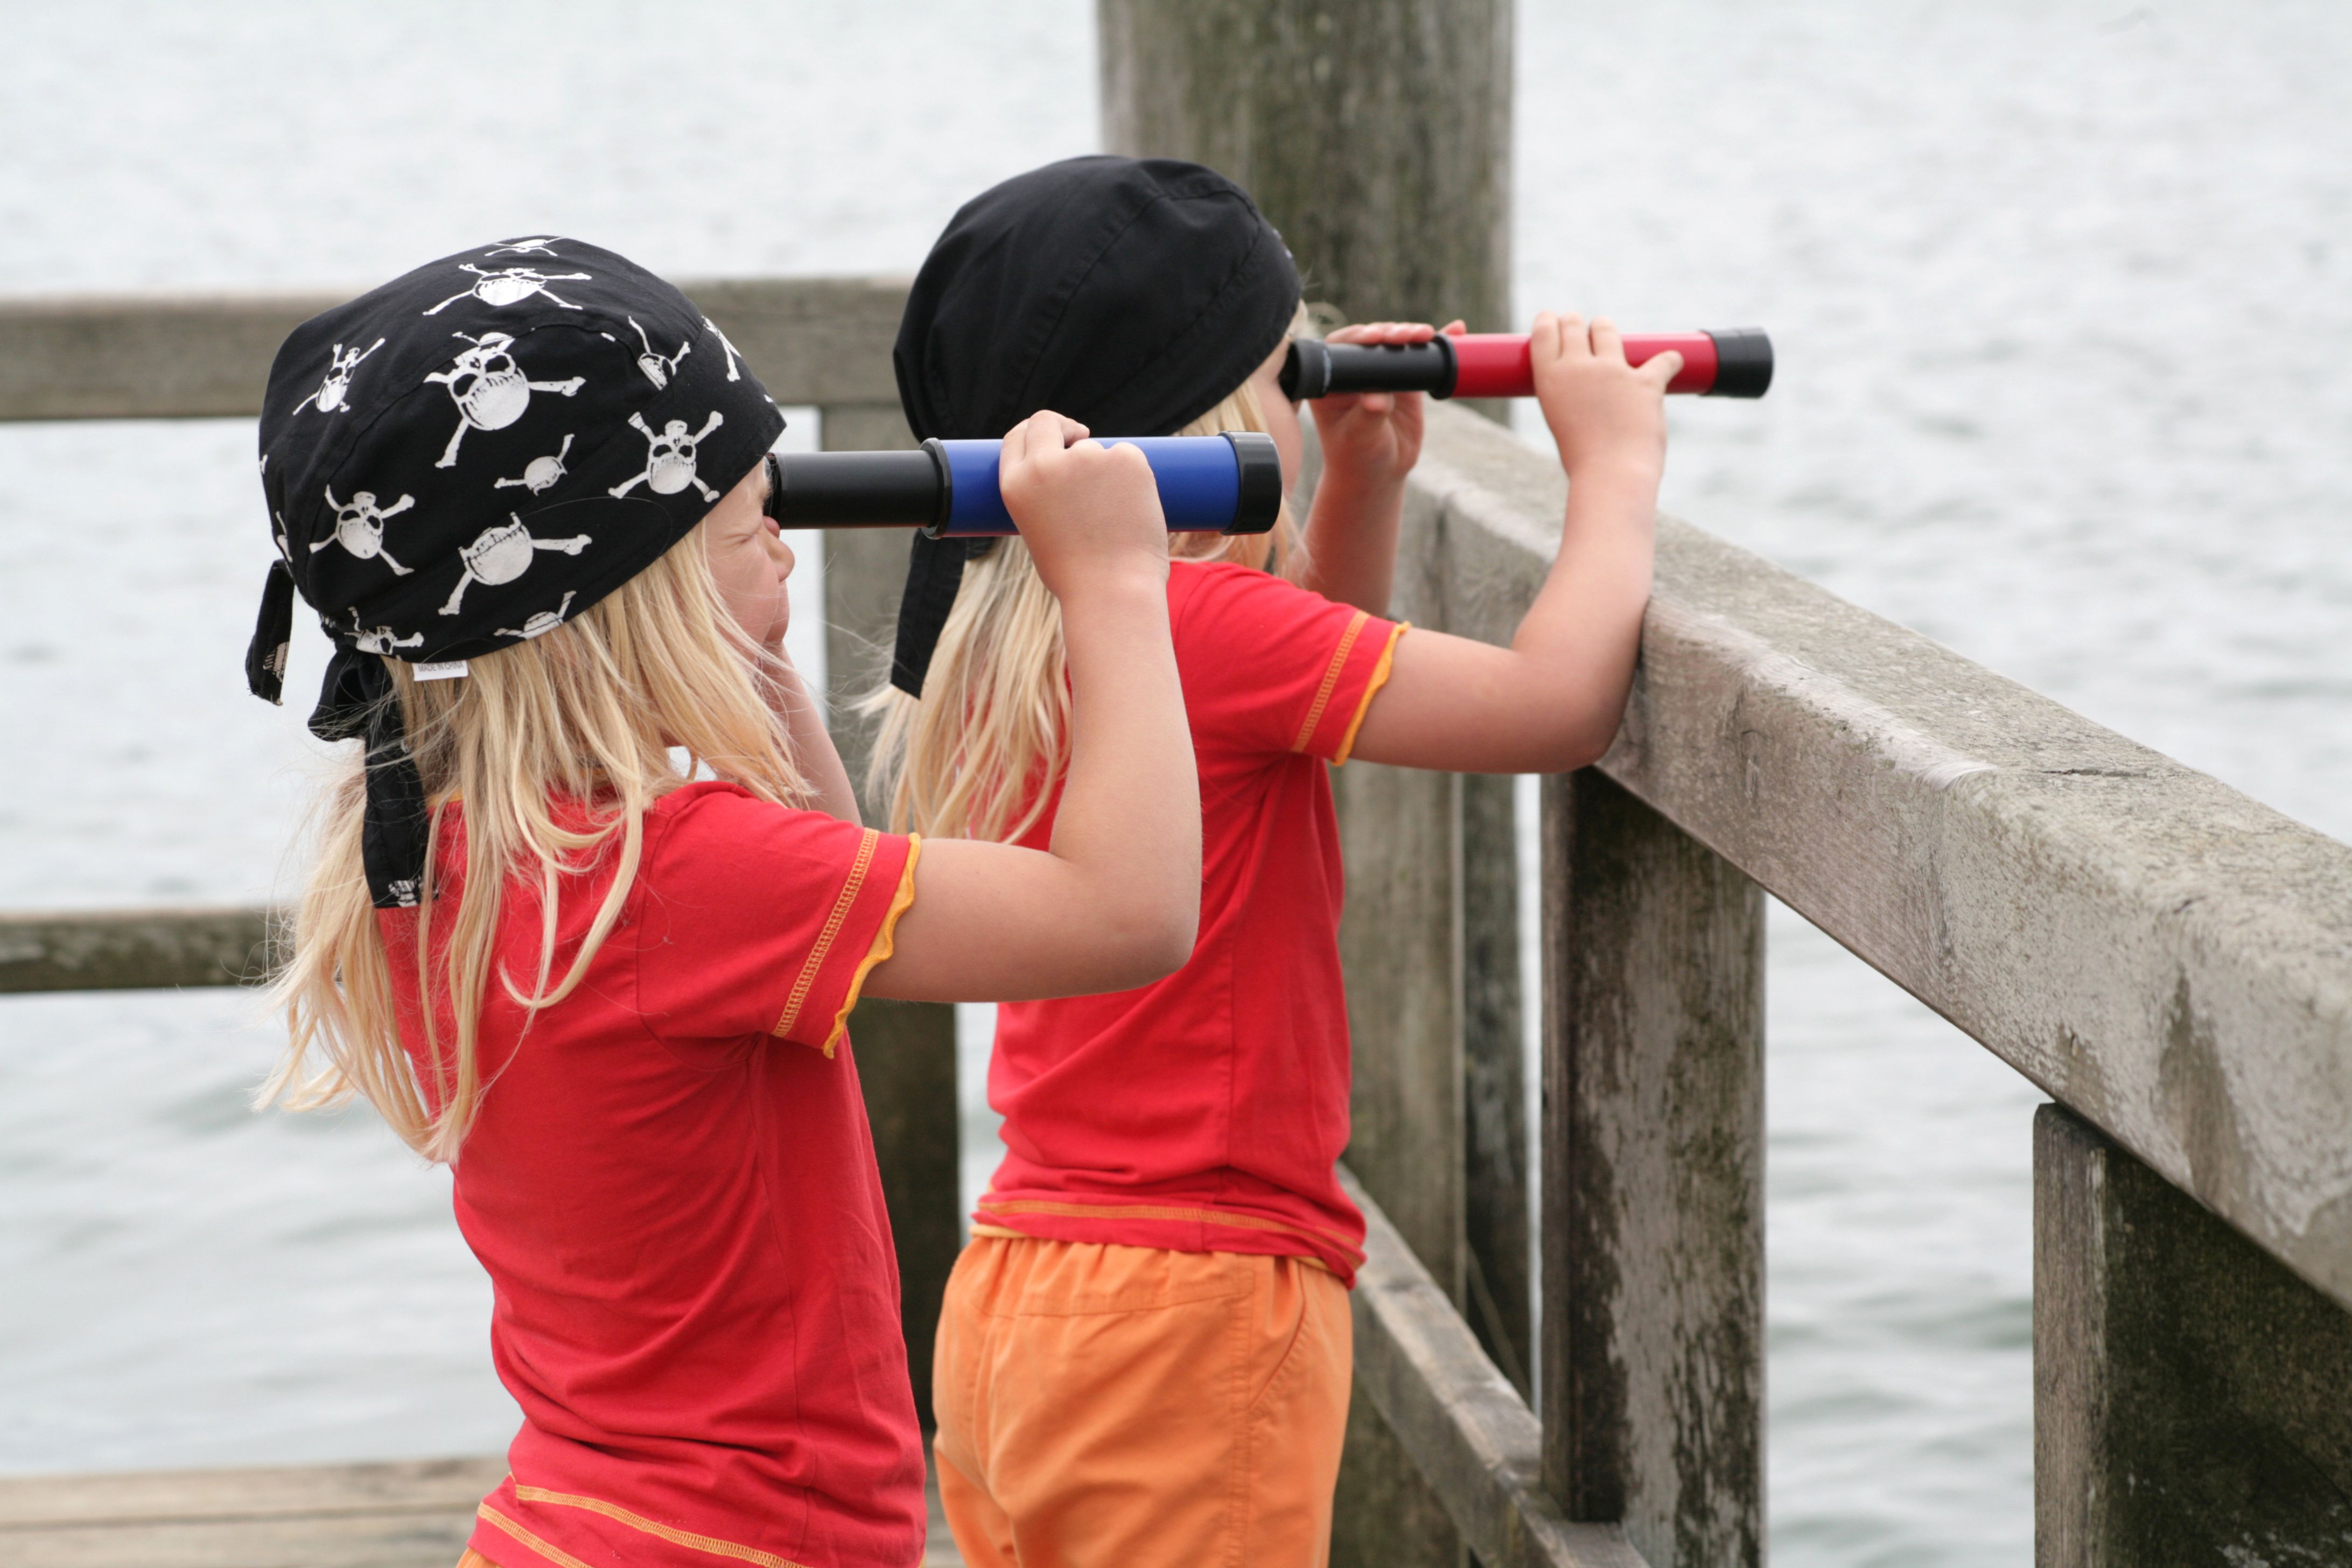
{"x": 2064, "y": 298}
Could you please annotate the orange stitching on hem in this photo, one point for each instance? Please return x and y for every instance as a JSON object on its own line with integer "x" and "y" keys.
{"x": 710, "y": 1543}
{"x": 552, "y": 1553}
{"x": 833, "y": 924}
{"x": 1330, "y": 680}
{"x": 1149, "y": 1211}
{"x": 885, "y": 941}
{"x": 1372, "y": 689}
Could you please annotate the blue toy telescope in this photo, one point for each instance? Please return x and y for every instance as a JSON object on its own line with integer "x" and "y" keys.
{"x": 1229, "y": 483}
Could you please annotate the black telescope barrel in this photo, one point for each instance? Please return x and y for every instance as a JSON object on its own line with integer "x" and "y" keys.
{"x": 1313, "y": 371}
{"x": 857, "y": 490}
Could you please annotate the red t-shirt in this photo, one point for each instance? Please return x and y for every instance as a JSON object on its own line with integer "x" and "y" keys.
{"x": 1205, "y": 1112}
{"x": 672, "y": 1185}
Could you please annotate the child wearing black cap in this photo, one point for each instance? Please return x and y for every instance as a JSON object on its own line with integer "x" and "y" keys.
{"x": 522, "y": 486}
{"x": 1144, "y": 1356}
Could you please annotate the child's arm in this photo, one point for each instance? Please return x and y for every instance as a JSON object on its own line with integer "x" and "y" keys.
{"x": 1552, "y": 700}
{"x": 1371, "y": 442}
{"x": 1114, "y": 903}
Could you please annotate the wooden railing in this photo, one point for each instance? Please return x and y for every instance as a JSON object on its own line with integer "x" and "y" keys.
{"x": 2170, "y": 961}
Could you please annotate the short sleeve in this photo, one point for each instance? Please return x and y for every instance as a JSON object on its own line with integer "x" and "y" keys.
{"x": 1269, "y": 667}
{"x": 760, "y": 919}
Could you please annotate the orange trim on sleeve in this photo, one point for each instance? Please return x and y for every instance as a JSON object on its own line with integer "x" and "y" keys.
{"x": 1330, "y": 680}
{"x": 885, "y": 941}
{"x": 1364, "y": 705}
{"x": 833, "y": 924}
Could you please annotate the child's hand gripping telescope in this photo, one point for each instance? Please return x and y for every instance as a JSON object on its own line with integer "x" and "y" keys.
{"x": 1735, "y": 362}
{"x": 1208, "y": 484}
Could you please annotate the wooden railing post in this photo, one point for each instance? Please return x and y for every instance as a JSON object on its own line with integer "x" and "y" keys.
{"x": 1653, "y": 1180}
{"x": 1377, "y": 139}
{"x": 2192, "y": 1399}
{"x": 905, "y": 1050}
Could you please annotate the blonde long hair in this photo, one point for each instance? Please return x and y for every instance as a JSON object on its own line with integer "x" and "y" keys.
{"x": 588, "y": 713}
{"x": 977, "y": 755}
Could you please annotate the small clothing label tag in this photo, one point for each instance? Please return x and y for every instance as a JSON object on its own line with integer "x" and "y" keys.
{"x": 448, "y": 669}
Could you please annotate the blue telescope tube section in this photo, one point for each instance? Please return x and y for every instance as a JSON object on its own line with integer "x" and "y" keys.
{"x": 1229, "y": 483}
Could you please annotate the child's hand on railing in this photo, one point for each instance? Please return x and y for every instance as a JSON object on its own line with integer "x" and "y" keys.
{"x": 1088, "y": 513}
{"x": 1607, "y": 416}
{"x": 1371, "y": 440}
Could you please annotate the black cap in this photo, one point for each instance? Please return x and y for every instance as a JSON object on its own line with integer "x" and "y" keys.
{"x": 1132, "y": 294}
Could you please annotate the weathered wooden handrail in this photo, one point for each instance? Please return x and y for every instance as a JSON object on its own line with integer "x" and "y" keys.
{"x": 816, "y": 339}
{"x": 2167, "y": 957}
{"x": 132, "y": 949}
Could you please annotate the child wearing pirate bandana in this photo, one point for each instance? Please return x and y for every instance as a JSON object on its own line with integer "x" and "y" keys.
{"x": 613, "y": 998}
{"x": 1144, "y": 1355}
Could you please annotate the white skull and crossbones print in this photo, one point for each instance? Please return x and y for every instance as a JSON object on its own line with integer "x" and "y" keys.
{"x": 669, "y": 458}
{"x": 657, "y": 369}
{"x": 380, "y": 639}
{"x": 490, "y": 390}
{"x": 503, "y": 553}
{"x": 340, "y": 366}
{"x": 541, "y": 473}
{"x": 734, "y": 357}
{"x": 543, "y": 620}
{"x": 512, "y": 286}
{"x": 359, "y": 527}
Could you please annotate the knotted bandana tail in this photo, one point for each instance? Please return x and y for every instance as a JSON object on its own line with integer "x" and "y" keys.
{"x": 934, "y": 573}
{"x": 273, "y": 633}
{"x": 358, "y": 701}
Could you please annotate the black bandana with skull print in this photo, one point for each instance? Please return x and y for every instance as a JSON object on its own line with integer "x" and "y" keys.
{"x": 462, "y": 458}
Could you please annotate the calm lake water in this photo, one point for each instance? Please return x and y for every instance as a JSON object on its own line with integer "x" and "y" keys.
{"x": 2063, "y": 299}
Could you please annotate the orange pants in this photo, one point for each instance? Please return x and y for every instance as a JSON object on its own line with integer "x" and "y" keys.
{"x": 1126, "y": 1407}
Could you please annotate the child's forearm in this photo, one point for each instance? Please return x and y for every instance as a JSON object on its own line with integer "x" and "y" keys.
{"x": 1351, "y": 542}
{"x": 1552, "y": 700}
{"x": 1127, "y": 822}
{"x": 1583, "y": 632}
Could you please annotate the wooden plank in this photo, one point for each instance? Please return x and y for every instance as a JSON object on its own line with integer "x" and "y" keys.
{"x": 812, "y": 340}
{"x": 2189, "y": 1399}
{"x": 157, "y": 1497}
{"x": 403, "y": 1514}
{"x": 113, "y": 950}
{"x": 348, "y": 1541}
{"x": 406, "y": 1514}
{"x": 1654, "y": 1179}
{"x": 2164, "y": 955}
{"x": 1472, "y": 1437}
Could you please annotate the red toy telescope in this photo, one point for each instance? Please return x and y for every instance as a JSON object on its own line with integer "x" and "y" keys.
{"x": 1731, "y": 362}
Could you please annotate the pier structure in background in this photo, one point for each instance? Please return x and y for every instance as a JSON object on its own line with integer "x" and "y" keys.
{"x": 2170, "y": 961}
{"x": 2166, "y": 957}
